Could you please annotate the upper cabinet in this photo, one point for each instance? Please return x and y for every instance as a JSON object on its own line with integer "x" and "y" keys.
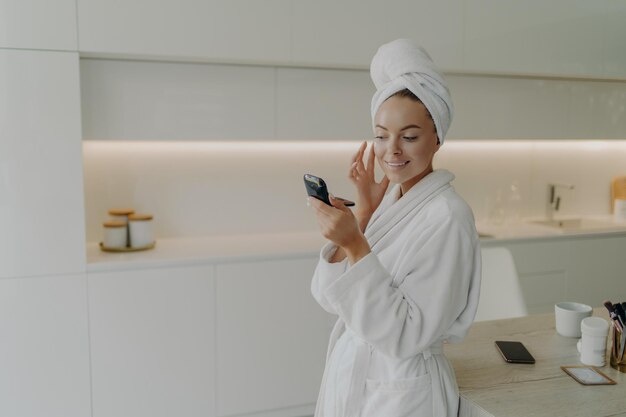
{"x": 558, "y": 37}
{"x": 38, "y": 24}
{"x": 564, "y": 38}
{"x": 614, "y": 45}
{"x": 214, "y": 30}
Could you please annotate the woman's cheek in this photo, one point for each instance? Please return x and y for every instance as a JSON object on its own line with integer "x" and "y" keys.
{"x": 379, "y": 150}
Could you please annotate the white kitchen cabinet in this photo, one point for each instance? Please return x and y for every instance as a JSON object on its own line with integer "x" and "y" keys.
{"x": 271, "y": 337}
{"x": 542, "y": 268}
{"x": 559, "y": 37}
{"x": 598, "y": 270}
{"x": 583, "y": 269}
{"x": 38, "y": 24}
{"x": 614, "y": 49}
{"x": 319, "y": 104}
{"x": 131, "y": 100}
{"x": 41, "y": 176}
{"x": 436, "y": 25}
{"x": 214, "y": 30}
{"x": 338, "y": 33}
{"x": 44, "y": 347}
{"x": 152, "y": 342}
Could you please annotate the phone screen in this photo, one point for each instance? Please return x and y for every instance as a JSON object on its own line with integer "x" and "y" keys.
{"x": 514, "y": 352}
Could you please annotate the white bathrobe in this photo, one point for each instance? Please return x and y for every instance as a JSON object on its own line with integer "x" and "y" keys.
{"x": 417, "y": 289}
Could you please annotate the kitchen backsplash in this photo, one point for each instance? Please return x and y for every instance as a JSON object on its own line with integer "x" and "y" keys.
{"x": 231, "y": 188}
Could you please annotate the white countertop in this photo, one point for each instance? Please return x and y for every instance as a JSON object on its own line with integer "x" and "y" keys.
{"x": 526, "y": 230}
{"x": 172, "y": 252}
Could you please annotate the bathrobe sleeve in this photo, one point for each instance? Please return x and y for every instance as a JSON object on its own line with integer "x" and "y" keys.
{"x": 401, "y": 320}
{"x": 325, "y": 274}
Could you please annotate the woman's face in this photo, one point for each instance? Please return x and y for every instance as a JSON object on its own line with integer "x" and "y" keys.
{"x": 405, "y": 141}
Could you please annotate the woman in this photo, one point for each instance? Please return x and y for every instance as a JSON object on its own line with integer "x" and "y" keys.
{"x": 403, "y": 271}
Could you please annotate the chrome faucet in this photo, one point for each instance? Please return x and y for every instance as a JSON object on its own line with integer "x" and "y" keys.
{"x": 554, "y": 200}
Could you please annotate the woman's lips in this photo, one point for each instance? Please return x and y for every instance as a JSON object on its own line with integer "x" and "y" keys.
{"x": 396, "y": 164}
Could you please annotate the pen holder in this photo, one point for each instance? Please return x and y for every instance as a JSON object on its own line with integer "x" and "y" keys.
{"x": 618, "y": 358}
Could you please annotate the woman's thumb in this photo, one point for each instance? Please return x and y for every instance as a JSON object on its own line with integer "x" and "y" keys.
{"x": 337, "y": 203}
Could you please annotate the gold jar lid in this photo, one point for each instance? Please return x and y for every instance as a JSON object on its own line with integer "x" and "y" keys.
{"x": 140, "y": 217}
{"x": 114, "y": 223}
{"x": 121, "y": 211}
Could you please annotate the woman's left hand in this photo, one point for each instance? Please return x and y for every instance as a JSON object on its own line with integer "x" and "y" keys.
{"x": 339, "y": 225}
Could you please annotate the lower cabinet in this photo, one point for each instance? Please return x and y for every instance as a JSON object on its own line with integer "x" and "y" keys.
{"x": 44, "y": 347}
{"x": 584, "y": 269}
{"x": 271, "y": 338}
{"x": 152, "y": 342}
{"x": 597, "y": 270}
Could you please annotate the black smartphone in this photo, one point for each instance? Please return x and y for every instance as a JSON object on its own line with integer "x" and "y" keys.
{"x": 316, "y": 187}
{"x": 514, "y": 352}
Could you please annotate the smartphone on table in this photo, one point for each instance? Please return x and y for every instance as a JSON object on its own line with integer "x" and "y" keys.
{"x": 514, "y": 352}
{"x": 316, "y": 187}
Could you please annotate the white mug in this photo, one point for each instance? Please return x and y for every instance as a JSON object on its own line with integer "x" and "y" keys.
{"x": 592, "y": 345}
{"x": 568, "y": 316}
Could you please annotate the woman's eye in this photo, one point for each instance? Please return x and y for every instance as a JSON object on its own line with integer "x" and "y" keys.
{"x": 409, "y": 138}
{"x": 379, "y": 137}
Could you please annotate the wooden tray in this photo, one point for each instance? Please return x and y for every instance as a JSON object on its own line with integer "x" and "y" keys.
{"x": 126, "y": 249}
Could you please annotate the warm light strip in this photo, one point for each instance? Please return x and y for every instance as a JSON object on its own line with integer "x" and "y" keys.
{"x": 221, "y": 146}
{"x": 339, "y": 145}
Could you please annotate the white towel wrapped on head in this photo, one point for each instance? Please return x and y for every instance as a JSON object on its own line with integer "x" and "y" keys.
{"x": 401, "y": 64}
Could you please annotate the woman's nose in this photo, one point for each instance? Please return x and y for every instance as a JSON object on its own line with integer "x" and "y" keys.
{"x": 395, "y": 147}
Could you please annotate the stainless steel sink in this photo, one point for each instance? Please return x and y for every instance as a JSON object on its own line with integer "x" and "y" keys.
{"x": 576, "y": 224}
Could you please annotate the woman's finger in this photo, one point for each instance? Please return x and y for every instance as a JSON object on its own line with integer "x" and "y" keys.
{"x": 370, "y": 159}
{"x": 320, "y": 207}
{"x": 360, "y": 168}
{"x": 358, "y": 154}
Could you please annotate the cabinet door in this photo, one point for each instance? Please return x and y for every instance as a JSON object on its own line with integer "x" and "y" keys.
{"x": 615, "y": 47}
{"x": 38, "y": 24}
{"x": 323, "y": 104}
{"x": 152, "y": 344}
{"x": 44, "y": 347}
{"x": 543, "y": 270}
{"x": 271, "y": 336}
{"x": 597, "y": 270}
{"x": 338, "y": 33}
{"x": 41, "y": 178}
{"x": 230, "y": 30}
{"x": 436, "y": 25}
{"x": 558, "y": 37}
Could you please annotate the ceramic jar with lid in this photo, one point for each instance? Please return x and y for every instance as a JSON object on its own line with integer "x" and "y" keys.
{"x": 120, "y": 214}
{"x": 115, "y": 234}
{"x": 140, "y": 230}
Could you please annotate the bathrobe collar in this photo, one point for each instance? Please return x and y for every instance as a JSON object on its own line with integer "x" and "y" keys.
{"x": 393, "y": 209}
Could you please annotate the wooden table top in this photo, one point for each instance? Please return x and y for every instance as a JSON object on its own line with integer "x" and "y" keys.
{"x": 489, "y": 386}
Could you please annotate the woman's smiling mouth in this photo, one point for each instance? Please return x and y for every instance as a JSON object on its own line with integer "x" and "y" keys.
{"x": 396, "y": 164}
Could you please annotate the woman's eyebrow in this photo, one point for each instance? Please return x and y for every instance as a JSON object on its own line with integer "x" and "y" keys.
{"x": 404, "y": 128}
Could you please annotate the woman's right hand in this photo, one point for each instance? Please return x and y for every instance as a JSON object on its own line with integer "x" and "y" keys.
{"x": 370, "y": 192}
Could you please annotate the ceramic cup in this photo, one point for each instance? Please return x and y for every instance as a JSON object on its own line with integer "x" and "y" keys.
{"x": 568, "y": 316}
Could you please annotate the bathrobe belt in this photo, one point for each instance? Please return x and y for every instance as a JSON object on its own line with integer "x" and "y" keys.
{"x": 360, "y": 368}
